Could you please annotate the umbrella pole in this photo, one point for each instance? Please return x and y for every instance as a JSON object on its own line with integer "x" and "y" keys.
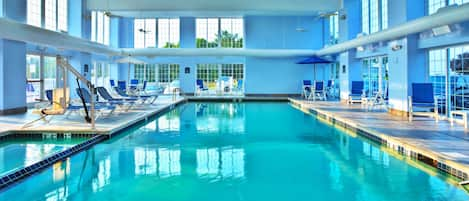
{"x": 128, "y": 77}
{"x": 314, "y": 72}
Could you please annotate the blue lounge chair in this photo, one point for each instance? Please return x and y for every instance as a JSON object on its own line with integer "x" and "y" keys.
{"x": 200, "y": 87}
{"x": 98, "y": 105}
{"x": 306, "y": 88}
{"x": 121, "y": 102}
{"x": 318, "y": 91}
{"x": 423, "y": 98}
{"x": 146, "y": 98}
{"x": 357, "y": 92}
{"x": 122, "y": 85}
{"x": 112, "y": 83}
{"x": 108, "y": 97}
{"x": 133, "y": 86}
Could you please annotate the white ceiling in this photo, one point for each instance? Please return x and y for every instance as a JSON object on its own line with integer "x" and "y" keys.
{"x": 153, "y": 8}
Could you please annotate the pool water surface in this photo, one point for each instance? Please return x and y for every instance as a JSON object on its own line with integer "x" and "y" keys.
{"x": 235, "y": 151}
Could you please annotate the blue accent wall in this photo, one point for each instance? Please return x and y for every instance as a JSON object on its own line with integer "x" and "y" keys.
{"x": 15, "y": 10}
{"x": 283, "y": 75}
{"x": 75, "y": 18}
{"x": 280, "y": 32}
{"x": 13, "y": 75}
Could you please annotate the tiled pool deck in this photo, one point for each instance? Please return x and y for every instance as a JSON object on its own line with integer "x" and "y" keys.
{"x": 436, "y": 143}
{"x": 75, "y": 123}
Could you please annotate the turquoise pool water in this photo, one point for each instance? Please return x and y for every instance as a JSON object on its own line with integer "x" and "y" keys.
{"x": 21, "y": 152}
{"x": 242, "y": 151}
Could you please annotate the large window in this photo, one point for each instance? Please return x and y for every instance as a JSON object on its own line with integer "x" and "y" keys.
{"x": 53, "y": 15}
{"x": 167, "y": 73}
{"x": 144, "y": 33}
{"x": 100, "y": 74}
{"x": 39, "y": 78}
{"x": 434, "y": 5}
{"x": 375, "y": 76}
{"x": 437, "y": 70}
{"x": 221, "y": 78}
{"x": 333, "y": 29}
{"x": 168, "y": 33}
{"x": 449, "y": 73}
{"x": 159, "y": 75}
{"x": 100, "y": 27}
{"x": 163, "y": 32}
{"x": 374, "y": 15}
{"x": 219, "y": 32}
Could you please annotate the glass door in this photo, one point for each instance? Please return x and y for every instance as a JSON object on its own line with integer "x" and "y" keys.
{"x": 375, "y": 76}
{"x": 33, "y": 76}
{"x": 222, "y": 79}
{"x": 41, "y": 72}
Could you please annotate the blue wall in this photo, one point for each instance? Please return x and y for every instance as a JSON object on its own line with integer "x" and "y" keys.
{"x": 273, "y": 32}
{"x": 270, "y": 32}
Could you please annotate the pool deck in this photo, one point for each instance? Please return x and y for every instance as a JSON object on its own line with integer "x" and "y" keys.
{"x": 75, "y": 123}
{"x": 440, "y": 142}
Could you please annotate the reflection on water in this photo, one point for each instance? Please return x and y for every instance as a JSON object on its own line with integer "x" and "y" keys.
{"x": 281, "y": 155}
{"x": 103, "y": 176}
{"x": 222, "y": 163}
{"x": 220, "y": 118}
{"x": 19, "y": 153}
{"x": 162, "y": 162}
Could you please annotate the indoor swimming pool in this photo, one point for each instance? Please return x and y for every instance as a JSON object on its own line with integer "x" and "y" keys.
{"x": 20, "y": 152}
{"x": 235, "y": 151}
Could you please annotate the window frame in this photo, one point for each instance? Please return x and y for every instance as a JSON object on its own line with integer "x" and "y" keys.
{"x": 204, "y": 29}
{"x": 380, "y": 19}
{"x": 100, "y": 23}
{"x": 57, "y": 21}
{"x": 152, "y": 35}
{"x": 47, "y": 74}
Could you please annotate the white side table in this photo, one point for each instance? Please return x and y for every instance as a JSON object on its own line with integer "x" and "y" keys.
{"x": 462, "y": 113}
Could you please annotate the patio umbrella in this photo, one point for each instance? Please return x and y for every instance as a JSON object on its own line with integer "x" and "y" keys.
{"x": 314, "y": 60}
{"x": 129, "y": 60}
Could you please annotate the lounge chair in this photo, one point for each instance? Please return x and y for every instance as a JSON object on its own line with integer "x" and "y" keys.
{"x": 133, "y": 86}
{"x": 55, "y": 108}
{"x": 318, "y": 91}
{"x": 423, "y": 98}
{"x": 121, "y": 102}
{"x": 146, "y": 98}
{"x": 199, "y": 87}
{"x": 122, "y": 85}
{"x": 99, "y": 106}
{"x": 357, "y": 92}
{"x": 112, "y": 83}
{"x": 306, "y": 88}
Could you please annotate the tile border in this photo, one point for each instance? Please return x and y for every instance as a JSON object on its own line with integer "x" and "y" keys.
{"x": 428, "y": 157}
{"x": 23, "y": 173}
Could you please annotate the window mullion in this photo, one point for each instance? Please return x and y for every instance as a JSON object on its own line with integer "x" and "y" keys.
{"x": 157, "y": 33}
{"x": 43, "y": 13}
{"x": 56, "y": 15}
{"x": 219, "y": 32}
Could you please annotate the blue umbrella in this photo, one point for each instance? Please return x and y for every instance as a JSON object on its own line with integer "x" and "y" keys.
{"x": 314, "y": 60}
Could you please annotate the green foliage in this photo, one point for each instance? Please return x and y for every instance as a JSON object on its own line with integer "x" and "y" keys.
{"x": 171, "y": 45}
{"x": 202, "y": 43}
{"x": 226, "y": 40}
